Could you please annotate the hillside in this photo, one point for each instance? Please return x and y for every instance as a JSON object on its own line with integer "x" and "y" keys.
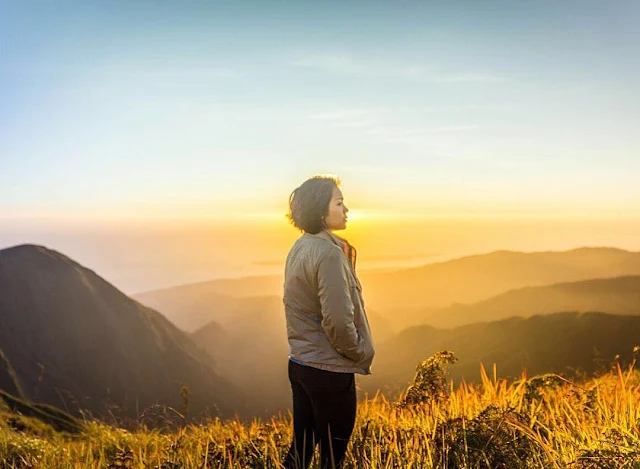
{"x": 192, "y": 306}
{"x": 8, "y": 380}
{"x": 250, "y": 347}
{"x": 619, "y": 295}
{"x": 406, "y": 295}
{"x": 76, "y": 342}
{"x": 558, "y": 343}
{"x": 251, "y": 350}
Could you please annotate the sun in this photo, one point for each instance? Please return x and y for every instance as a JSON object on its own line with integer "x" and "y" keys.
{"x": 355, "y": 215}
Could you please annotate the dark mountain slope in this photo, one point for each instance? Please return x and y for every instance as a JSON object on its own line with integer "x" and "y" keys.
{"x": 77, "y": 342}
{"x": 560, "y": 343}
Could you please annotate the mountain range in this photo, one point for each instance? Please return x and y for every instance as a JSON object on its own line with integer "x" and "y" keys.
{"x": 567, "y": 343}
{"x": 70, "y": 339}
{"x": 404, "y": 297}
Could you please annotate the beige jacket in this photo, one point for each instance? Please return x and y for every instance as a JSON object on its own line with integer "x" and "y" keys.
{"x": 327, "y": 325}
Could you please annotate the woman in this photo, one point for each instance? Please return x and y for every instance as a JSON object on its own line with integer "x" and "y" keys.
{"x": 327, "y": 326}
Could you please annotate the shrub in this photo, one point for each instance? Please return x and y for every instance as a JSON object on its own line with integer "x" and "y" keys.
{"x": 495, "y": 439}
{"x": 430, "y": 382}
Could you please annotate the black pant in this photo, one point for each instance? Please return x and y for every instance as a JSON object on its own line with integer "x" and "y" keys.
{"x": 324, "y": 412}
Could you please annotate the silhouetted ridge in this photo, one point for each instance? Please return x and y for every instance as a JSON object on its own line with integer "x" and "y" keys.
{"x": 619, "y": 295}
{"x": 410, "y": 295}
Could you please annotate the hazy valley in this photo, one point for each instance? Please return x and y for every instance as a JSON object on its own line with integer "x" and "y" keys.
{"x": 72, "y": 340}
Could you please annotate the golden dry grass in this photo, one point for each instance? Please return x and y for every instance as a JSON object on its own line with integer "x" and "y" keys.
{"x": 544, "y": 421}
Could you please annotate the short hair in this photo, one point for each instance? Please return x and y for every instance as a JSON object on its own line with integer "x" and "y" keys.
{"x": 309, "y": 203}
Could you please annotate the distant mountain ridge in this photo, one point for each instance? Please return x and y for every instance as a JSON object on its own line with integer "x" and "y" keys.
{"x": 75, "y": 341}
{"x": 559, "y": 342}
{"x": 248, "y": 338}
{"x": 619, "y": 295}
{"x": 71, "y": 339}
{"x": 251, "y": 349}
{"x": 174, "y": 301}
{"x": 408, "y": 293}
{"x": 235, "y": 317}
{"x": 404, "y": 297}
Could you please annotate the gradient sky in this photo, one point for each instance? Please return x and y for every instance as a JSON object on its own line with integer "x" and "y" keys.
{"x": 119, "y": 108}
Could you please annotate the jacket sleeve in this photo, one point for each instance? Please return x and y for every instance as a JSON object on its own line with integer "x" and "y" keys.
{"x": 337, "y": 306}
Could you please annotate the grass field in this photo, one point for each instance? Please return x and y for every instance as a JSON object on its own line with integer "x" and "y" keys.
{"x": 543, "y": 421}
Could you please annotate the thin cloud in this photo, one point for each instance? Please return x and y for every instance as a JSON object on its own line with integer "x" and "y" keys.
{"x": 346, "y": 118}
{"x": 467, "y": 78}
{"x": 330, "y": 63}
{"x": 185, "y": 72}
{"x": 373, "y": 170}
{"x": 466, "y": 107}
{"x": 442, "y": 130}
{"x": 402, "y": 133}
{"x": 422, "y": 74}
{"x": 343, "y": 64}
{"x": 434, "y": 138}
{"x": 339, "y": 115}
{"x": 361, "y": 124}
{"x": 392, "y": 134}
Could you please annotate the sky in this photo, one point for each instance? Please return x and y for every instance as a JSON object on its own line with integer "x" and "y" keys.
{"x": 119, "y": 111}
{"x": 160, "y": 108}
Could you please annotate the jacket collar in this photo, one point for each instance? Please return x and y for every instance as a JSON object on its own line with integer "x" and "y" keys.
{"x": 335, "y": 239}
{"x": 344, "y": 245}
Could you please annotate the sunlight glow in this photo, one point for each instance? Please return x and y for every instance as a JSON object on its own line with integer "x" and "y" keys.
{"x": 355, "y": 215}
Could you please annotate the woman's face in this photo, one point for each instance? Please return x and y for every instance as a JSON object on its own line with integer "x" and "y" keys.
{"x": 336, "y": 217}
